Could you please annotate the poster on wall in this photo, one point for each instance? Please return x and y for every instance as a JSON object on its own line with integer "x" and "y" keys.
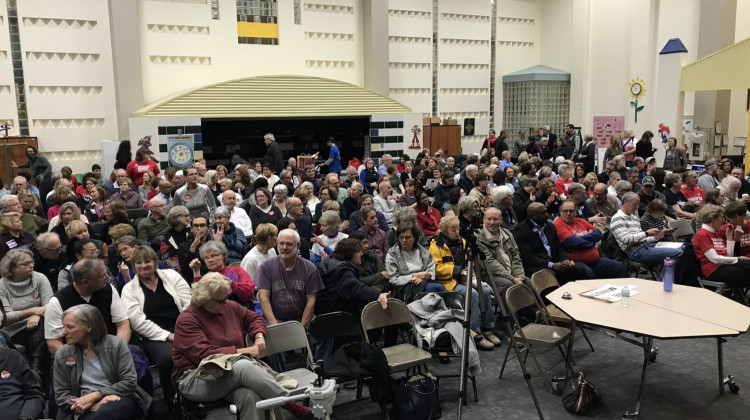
{"x": 606, "y": 127}
{"x": 181, "y": 149}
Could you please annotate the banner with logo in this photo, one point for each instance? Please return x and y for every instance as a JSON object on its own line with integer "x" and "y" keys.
{"x": 180, "y": 149}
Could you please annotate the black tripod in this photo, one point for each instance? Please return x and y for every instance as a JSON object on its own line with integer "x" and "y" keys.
{"x": 477, "y": 259}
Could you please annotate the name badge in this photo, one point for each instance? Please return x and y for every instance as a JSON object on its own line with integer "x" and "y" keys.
{"x": 188, "y": 197}
{"x": 5, "y": 375}
{"x": 11, "y": 243}
{"x": 70, "y": 362}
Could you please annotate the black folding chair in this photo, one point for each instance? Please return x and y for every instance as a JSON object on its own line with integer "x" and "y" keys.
{"x": 332, "y": 326}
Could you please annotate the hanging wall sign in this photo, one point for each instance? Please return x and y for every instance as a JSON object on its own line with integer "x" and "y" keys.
{"x": 469, "y": 126}
{"x": 181, "y": 148}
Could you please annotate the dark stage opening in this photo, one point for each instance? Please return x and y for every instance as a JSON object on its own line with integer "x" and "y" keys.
{"x": 224, "y": 137}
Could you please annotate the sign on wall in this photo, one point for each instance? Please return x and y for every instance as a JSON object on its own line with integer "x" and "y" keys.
{"x": 181, "y": 149}
{"x": 606, "y": 127}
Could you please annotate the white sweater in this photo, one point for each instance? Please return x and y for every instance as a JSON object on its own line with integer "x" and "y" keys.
{"x": 133, "y": 299}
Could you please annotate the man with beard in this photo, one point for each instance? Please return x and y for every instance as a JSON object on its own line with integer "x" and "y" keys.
{"x": 287, "y": 284}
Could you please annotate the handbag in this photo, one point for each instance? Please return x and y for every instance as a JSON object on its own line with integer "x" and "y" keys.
{"x": 583, "y": 398}
{"x": 416, "y": 397}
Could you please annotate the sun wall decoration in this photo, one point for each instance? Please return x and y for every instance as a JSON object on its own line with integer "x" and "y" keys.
{"x": 637, "y": 89}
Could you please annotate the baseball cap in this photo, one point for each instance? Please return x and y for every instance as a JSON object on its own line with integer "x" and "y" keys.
{"x": 648, "y": 180}
{"x": 710, "y": 163}
{"x": 650, "y": 159}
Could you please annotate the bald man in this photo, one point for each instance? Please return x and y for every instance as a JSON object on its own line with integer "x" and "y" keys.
{"x": 540, "y": 247}
{"x": 239, "y": 216}
{"x": 154, "y": 226}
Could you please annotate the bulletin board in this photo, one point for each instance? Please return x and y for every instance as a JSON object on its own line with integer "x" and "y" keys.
{"x": 606, "y": 127}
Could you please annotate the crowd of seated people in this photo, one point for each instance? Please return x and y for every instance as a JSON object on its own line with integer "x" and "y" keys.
{"x": 146, "y": 259}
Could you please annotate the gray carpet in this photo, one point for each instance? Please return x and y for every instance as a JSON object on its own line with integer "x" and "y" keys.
{"x": 681, "y": 383}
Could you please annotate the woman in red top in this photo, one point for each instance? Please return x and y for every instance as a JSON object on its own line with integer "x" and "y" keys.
{"x": 140, "y": 166}
{"x": 214, "y": 254}
{"x": 428, "y": 217}
{"x": 735, "y": 212}
{"x": 716, "y": 252}
{"x": 211, "y": 325}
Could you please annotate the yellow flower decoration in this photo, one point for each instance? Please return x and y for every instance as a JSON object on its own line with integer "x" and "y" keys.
{"x": 637, "y": 88}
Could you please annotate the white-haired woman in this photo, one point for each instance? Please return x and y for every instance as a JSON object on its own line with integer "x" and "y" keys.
{"x": 325, "y": 243}
{"x": 213, "y": 325}
{"x": 94, "y": 373}
{"x": 153, "y": 300}
{"x": 214, "y": 255}
{"x": 24, "y": 294}
{"x": 280, "y": 193}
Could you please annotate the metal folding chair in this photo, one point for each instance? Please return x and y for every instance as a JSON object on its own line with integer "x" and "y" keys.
{"x": 543, "y": 280}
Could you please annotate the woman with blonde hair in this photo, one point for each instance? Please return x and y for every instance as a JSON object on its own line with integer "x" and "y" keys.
{"x": 614, "y": 149}
{"x": 147, "y": 189}
{"x": 153, "y": 300}
{"x": 519, "y": 144}
{"x": 32, "y": 221}
{"x": 265, "y": 241}
{"x": 80, "y": 230}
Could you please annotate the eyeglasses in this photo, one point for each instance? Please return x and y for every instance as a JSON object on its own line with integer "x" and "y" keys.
{"x": 568, "y": 211}
{"x": 405, "y": 238}
{"x": 27, "y": 264}
{"x": 200, "y": 225}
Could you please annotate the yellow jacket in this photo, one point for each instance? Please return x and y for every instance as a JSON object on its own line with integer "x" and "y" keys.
{"x": 446, "y": 272}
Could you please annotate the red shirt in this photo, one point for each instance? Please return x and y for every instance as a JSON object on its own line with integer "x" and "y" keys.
{"x": 135, "y": 171}
{"x": 696, "y": 195}
{"x": 744, "y": 240}
{"x": 705, "y": 240}
{"x": 242, "y": 285}
{"x": 561, "y": 187}
{"x": 428, "y": 220}
{"x": 199, "y": 334}
{"x": 580, "y": 227}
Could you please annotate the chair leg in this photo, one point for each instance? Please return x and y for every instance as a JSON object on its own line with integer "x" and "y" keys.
{"x": 505, "y": 360}
{"x": 586, "y": 336}
{"x": 384, "y": 409}
{"x": 474, "y": 385}
{"x": 360, "y": 384}
{"x": 541, "y": 370}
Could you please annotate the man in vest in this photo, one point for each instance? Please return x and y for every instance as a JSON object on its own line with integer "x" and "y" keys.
{"x": 89, "y": 286}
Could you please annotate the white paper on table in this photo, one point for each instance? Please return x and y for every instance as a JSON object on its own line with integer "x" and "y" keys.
{"x": 609, "y": 292}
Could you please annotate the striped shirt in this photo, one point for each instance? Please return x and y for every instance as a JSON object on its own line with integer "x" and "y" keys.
{"x": 627, "y": 231}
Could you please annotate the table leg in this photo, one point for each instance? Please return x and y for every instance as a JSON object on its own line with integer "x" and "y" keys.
{"x": 720, "y": 348}
{"x": 647, "y": 344}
